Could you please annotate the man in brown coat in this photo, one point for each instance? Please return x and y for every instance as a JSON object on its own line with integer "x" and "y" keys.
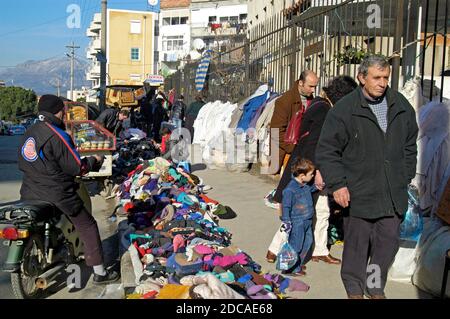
{"x": 286, "y": 106}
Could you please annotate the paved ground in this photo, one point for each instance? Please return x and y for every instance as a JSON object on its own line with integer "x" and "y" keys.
{"x": 252, "y": 230}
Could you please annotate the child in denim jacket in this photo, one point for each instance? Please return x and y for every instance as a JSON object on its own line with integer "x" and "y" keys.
{"x": 298, "y": 211}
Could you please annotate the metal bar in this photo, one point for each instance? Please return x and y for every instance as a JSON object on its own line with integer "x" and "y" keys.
{"x": 434, "y": 49}
{"x": 444, "y": 51}
{"x": 389, "y": 29}
{"x": 397, "y": 45}
{"x": 424, "y": 43}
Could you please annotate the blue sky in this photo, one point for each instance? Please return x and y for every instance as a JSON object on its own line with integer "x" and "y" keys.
{"x": 37, "y": 29}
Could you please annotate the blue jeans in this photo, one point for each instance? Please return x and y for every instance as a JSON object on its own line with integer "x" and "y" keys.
{"x": 301, "y": 240}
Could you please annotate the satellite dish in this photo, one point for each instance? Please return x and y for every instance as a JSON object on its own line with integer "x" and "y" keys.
{"x": 199, "y": 44}
{"x": 153, "y": 2}
{"x": 195, "y": 55}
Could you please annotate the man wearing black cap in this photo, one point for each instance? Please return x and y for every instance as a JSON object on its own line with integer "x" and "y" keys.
{"x": 50, "y": 163}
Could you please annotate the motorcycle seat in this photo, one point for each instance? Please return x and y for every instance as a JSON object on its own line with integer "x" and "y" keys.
{"x": 36, "y": 210}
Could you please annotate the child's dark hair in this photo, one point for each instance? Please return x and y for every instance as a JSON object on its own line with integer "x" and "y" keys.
{"x": 302, "y": 166}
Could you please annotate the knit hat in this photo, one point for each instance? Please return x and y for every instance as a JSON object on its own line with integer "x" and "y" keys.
{"x": 50, "y": 103}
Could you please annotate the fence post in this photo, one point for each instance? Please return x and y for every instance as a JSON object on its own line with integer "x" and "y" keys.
{"x": 397, "y": 45}
{"x": 294, "y": 44}
{"x": 247, "y": 67}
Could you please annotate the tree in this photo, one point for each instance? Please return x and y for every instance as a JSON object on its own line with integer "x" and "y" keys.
{"x": 16, "y": 102}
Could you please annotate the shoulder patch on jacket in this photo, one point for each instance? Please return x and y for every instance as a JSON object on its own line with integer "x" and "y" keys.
{"x": 29, "y": 150}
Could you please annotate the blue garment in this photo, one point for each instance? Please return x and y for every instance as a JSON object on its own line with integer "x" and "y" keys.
{"x": 297, "y": 202}
{"x": 298, "y": 209}
{"x": 250, "y": 109}
{"x": 301, "y": 240}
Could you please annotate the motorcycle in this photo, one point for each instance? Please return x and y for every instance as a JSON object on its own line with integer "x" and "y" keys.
{"x": 42, "y": 243}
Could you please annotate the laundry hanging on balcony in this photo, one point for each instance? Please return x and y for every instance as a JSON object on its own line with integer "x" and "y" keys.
{"x": 202, "y": 71}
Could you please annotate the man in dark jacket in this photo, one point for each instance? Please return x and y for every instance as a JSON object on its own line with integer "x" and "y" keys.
{"x": 301, "y": 94}
{"x": 178, "y": 112}
{"x": 50, "y": 163}
{"x": 367, "y": 156}
{"x": 112, "y": 119}
{"x": 192, "y": 113}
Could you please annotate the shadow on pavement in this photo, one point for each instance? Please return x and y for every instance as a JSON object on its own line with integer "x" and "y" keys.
{"x": 112, "y": 262}
{"x": 198, "y": 167}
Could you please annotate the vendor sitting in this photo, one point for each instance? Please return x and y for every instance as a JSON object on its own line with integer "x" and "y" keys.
{"x": 166, "y": 143}
{"x": 112, "y": 119}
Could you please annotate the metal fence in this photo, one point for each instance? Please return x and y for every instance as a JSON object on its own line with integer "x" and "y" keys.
{"x": 331, "y": 37}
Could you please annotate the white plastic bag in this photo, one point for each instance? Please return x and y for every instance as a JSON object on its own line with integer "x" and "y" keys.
{"x": 404, "y": 264}
{"x": 278, "y": 240}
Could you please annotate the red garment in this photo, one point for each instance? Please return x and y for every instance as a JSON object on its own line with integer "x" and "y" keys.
{"x": 128, "y": 206}
{"x": 138, "y": 169}
{"x": 139, "y": 249}
{"x": 208, "y": 200}
{"x": 164, "y": 140}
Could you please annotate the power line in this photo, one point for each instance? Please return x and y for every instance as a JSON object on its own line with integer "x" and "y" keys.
{"x": 31, "y": 27}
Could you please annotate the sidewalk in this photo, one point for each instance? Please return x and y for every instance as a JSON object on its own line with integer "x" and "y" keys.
{"x": 255, "y": 225}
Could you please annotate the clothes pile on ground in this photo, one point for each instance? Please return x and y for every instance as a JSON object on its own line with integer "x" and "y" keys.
{"x": 234, "y": 135}
{"x": 172, "y": 241}
{"x": 129, "y": 154}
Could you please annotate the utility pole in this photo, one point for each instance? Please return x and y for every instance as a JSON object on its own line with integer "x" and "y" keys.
{"x": 57, "y": 85}
{"x": 71, "y": 55}
{"x": 103, "y": 58}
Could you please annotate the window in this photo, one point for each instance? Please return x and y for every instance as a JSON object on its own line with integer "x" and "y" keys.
{"x": 223, "y": 19}
{"x": 212, "y": 19}
{"x": 134, "y": 54}
{"x": 234, "y": 19}
{"x": 243, "y": 16}
{"x": 175, "y": 21}
{"x": 135, "y": 27}
{"x": 166, "y": 21}
{"x": 183, "y": 20}
{"x": 173, "y": 43}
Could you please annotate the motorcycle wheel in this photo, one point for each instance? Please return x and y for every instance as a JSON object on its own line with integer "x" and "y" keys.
{"x": 23, "y": 282}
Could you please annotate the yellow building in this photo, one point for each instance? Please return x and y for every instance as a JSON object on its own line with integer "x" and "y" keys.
{"x": 130, "y": 46}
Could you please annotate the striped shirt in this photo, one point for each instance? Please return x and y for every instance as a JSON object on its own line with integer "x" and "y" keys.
{"x": 380, "y": 110}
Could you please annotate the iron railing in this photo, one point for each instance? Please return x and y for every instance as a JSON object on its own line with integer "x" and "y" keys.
{"x": 330, "y": 37}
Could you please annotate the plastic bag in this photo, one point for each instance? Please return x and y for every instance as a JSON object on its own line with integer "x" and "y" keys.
{"x": 279, "y": 239}
{"x": 287, "y": 257}
{"x": 412, "y": 226}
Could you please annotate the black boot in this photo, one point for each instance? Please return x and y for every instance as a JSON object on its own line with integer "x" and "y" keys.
{"x": 111, "y": 276}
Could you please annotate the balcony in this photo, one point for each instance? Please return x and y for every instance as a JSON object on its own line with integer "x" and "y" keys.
{"x": 96, "y": 44}
{"x": 95, "y": 27}
{"x": 97, "y": 18}
{"x": 200, "y": 30}
{"x": 92, "y": 34}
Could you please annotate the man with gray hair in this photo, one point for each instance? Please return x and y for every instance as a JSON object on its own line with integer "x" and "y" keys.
{"x": 367, "y": 156}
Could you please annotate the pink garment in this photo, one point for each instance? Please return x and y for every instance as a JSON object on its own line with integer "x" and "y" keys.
{"x": 297, "y": 285}
{"x": 203, "y": 250}
{"x": 227, "y": 261}
{"x": 178, "y": 242}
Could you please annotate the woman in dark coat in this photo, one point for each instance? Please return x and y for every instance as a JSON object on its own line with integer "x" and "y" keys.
{"x": 310, "y": 129}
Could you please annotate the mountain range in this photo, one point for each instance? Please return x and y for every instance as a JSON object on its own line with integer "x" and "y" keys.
{"x": 43, "y": 76}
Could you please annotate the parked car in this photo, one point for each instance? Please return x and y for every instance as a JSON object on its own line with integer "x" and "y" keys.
{"x": 16, "y": 130}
